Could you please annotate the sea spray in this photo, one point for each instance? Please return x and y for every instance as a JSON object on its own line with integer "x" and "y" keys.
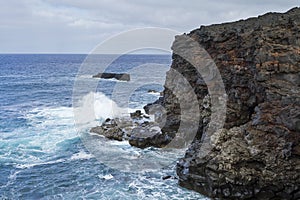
{"x": 94, "y": 108}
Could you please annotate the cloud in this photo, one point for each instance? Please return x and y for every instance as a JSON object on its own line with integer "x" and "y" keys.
{"x": 78, "y": 26}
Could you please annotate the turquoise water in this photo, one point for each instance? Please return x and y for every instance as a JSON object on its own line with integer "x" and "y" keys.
{"x": 42, "y": 155}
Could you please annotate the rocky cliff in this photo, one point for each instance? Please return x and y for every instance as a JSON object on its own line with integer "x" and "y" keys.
{"x": 256, "y": 155}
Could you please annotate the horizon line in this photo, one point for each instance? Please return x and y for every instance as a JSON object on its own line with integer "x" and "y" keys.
{"x": 70, "y": 53}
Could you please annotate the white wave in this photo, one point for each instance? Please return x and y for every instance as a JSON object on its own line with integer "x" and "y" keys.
{"x": 97, "y": 107}
{"x": 51, "y": 133}
{"x": 78, "y": 156}
{"x": 86, "y": 76}
{"x": 111, "y": 79}
{"x": 25, "y": 166}
{"x": 50, "y": 130}
{"x": 106, "y": 177}
{"x": 50, "y": 116}
{"x": 81, "y": 156}
{"x": 47, "y": 131}
{"x": 105, "y": 107}
{"x": 155, "y": 93}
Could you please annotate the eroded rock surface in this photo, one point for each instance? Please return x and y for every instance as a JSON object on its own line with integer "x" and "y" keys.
{"x": 147, "y": 135}
{"x": 114, "y": 129}
{"x": 137, "y": 129}
{"x": 257, "y": 153}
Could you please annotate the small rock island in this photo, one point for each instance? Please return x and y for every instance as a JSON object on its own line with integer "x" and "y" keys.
{"x": 117, "y": 76}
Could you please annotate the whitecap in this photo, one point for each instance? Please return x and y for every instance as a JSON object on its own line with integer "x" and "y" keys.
{"x": 106, "y": 177}
{"x": 25, "y": 166}
{"x": 81, "y": 156}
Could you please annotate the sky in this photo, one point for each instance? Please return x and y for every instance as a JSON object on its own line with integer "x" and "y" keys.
{"x": 77, "y": 26}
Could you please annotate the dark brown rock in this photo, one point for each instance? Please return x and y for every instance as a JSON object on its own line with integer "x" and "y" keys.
{"x": 166, "y": 177}
{"x": 147, "y": 135}
{"x": 117, "y": 76}
{"x": 256, "y": 155}
{"x": 138, "y": 115}
{"x": 110, "y": 129}
{"x": 137, "y": 129}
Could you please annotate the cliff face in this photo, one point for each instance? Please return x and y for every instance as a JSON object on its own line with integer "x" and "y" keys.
{"x": 257, "y": 153}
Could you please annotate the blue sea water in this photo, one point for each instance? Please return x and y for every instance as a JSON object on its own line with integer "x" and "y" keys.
{"x": 42, "y": 155}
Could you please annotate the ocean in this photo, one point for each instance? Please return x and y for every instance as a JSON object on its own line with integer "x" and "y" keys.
{"x": 42, "y": 154}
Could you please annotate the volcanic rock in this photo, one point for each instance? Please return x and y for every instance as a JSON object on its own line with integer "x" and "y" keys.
{"x": 117, "y": 76}
{"x": 256, "y": 154}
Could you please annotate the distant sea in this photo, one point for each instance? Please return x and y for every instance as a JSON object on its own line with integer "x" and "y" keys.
{"x": 41, "y": 153}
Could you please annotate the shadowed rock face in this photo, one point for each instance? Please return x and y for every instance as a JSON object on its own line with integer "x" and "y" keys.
{"x": 257, "y": 153}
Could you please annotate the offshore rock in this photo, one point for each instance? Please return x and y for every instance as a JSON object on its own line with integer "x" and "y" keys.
{"x": 256, "y": 155}
{"x": 117, "y": 76}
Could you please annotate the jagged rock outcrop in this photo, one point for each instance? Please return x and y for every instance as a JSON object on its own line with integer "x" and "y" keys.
{"x": 256, "y": 155}
{"x": 148, "y": 135}
{"x": 114, "y": 129}
{"x": 138, "y": 129}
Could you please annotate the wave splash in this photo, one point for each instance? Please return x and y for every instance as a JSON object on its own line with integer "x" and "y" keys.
{"x": 96, "y": 107}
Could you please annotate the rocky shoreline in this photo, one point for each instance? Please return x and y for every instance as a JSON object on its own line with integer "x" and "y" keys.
{"x": 256, "y": 155}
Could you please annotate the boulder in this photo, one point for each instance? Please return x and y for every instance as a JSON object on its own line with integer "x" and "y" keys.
{"x": 110, "y": 129}
{"x": 147, "y": 135}
{"x": 137, "y": 129}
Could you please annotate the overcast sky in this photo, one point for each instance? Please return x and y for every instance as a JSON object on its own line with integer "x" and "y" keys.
{"x": 77, "y": 26}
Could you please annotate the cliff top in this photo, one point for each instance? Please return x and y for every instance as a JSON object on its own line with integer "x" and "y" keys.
{"x": 269, "y": 19}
